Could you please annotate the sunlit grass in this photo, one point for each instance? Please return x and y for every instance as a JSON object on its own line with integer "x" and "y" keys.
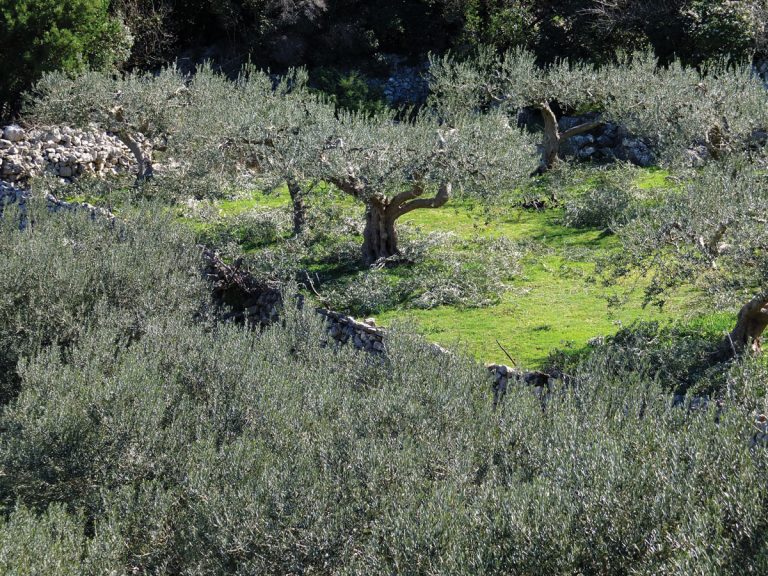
{"x": 554, "y": 303}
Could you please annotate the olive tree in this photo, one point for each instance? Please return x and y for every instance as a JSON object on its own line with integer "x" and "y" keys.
{"x": 514, "y": 81}
{"x": 396, "y": 167}
{"x": 142, "y": 110}
{"x": 280, "y": 131}
{"x": 675, "y": 107}
{"x": 256, "y": 128}
{"x": 672, "y": 107}
{"x": 714, "y": 234}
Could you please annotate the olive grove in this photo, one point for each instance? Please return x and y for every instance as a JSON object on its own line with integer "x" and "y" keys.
{"x": 713, "y": 233}
{"x": 464, "y": 141}
{"x": 279, "y": 131}
{"x": 671, "y": 106}
{"x": 145, "y": 431}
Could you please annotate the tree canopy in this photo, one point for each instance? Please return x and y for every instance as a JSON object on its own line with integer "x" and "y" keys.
{"x": 713, "y": 235}
{"x": 672, "y": 106}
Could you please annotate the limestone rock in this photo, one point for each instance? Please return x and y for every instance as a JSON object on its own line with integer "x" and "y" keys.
{"x": 13, "y": 133}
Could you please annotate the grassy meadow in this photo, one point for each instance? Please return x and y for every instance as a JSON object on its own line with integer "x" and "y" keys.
{"x": 553, "y": 299}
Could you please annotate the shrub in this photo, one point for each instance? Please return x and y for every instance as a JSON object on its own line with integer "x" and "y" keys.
{"x": 723, "y": 28}
{"x": 680, "y": 357}
{"x": 600, "y": 207}
{"x": 65, "y": 270}
{"x": 499, "y": 24}
{"x": 250, "y": 229}
{"x": 227, "y": 451}
{"x": 608, "y": 200}
{"x": 439, "y": 270}
{"x": 49, "y": 543}
{"x": 348, "y": 90}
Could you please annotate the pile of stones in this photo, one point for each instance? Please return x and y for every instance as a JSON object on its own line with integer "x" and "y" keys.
{"x": 407, "y": 85}
{"x": 346, "y": 330}
{"x": 62, "y": 151}
{"x": 605, "y": 143}
{"x": 760, "y": 68}
{"x": 504, "y": 376}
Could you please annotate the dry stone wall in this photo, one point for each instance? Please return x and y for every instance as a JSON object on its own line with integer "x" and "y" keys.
{"x": 364, "y": 335}
{"x": 249, "y": 301}
{"x": 605, "y": 143}
{"x": 11, "y": 194}
{"x": 61, "y": 151}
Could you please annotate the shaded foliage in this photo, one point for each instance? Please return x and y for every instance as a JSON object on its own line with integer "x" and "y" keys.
{"x": 38, "y": 36}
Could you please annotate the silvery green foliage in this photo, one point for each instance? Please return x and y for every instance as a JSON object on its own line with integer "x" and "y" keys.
{"x": 676, "y": 107}
{"x": 64, "y": 271}
{"x": 444, "y": 271}
{"x": 248, "y": 230}
{"x": 285, "y": 136}
{"x": 480, "y": 155}
{"x": 512, "y": 81}
{"x": 219, "y": 450}
{"x": 232, "y": 452}
{"x": 210, "y": 129}
{"x": 608, "y": 200}
{"x": 148, "y": 105}
{"x": 48, "y": 543}
{"x": 672, "y": 106}
{"x": 268, "y": 129}
{"x": 713, "y": 232}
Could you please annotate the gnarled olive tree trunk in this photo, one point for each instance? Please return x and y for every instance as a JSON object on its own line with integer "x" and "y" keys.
{"x": 380, "y": 235}
{"x": 299, "y": 207}
{"x": 553, "y": 138}
{"x": 750, "y": 325}
{"x": 143, "y": 157}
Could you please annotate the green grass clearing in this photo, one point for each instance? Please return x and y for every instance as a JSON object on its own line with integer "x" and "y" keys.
{"x": 553, "y": 303}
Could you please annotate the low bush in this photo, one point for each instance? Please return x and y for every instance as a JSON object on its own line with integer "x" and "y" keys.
{"x": 64, "y": 271}
{"x": 601, "y": 207}
{"x": 349, "y": 90}
{"x": 439, "y": 270}
{"x": 226, "y": 451}
{"x": 607, "y": 201}
{"x": 249, "y": 230}
{"x": 682, "y": 357}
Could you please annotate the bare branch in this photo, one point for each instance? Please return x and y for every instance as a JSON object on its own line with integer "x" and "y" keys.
{"x": 440, "y": 199}
{"x": 581, "y": 128}
{"x": 507, "y": 354}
